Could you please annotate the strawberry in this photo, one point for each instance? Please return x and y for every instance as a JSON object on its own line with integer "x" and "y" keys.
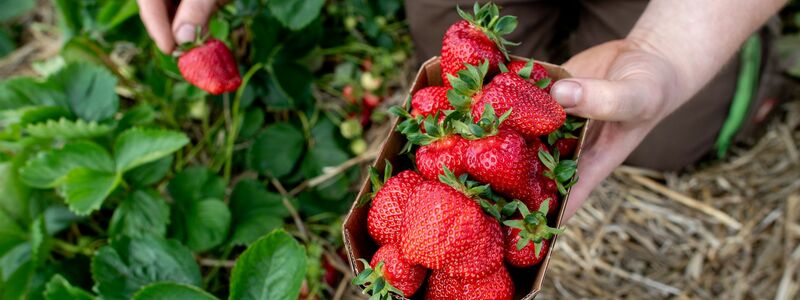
{"x": 502, "y": 159}
{"x": 564, "y": 139}
{"x": 528, "y": 237}
{"x": 496, "y": 286}
{"x": 566, "y": 146}
{"x": 476, "y": 38}
{"x": 448, "y": 231}
{"x": 532, "y": 72}
{"x": 534, "y": 111}
{"x": 348, "y": 94}
{"x": 562, "y": 172}
{"x": 385, "y": 215}
{"x": 439, "y": 145}
{"x": 430, "y": 101}
{"x": 389, "y": 273}
{"x": 447, "y": 152}
{"x": 211, "y": 67}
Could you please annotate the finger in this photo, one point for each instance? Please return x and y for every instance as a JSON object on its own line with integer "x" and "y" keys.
{"x": 191, "y": 14}
{"x": 607, "y": 100}
{"x": 156, "y": 20}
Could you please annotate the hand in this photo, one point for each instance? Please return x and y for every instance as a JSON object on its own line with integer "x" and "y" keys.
{"x": 626, "y": 90}
{"x": 167, "y": 33}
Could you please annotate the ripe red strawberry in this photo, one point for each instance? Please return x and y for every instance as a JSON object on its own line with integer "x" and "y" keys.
{"x": 528, "y": 237}
{"x": 447, "y": 151}
{"x": 429, "y": 101}
{"x": 388, "y": 273}
{"x": 496, "y": 286}
{"x": 529, "y": 255}
{"x": 439, "y": 145}
{"x": 534, "y": 73}
{"x": 448, "y": 231}
{"x": 385, "y": 216}
{"x": 564, "y": 139}
{"x": 211, "y": 67}
{"x": 566, "y": 146}
{"x": 533, "y": 111}
{"x": 505, "y": 162}
{"x": 476, "y": 38}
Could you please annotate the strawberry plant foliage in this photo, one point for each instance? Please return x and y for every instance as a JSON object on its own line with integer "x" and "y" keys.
{"x": 119, "y": 178}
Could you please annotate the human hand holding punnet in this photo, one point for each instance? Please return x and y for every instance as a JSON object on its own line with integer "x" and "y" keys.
{"x": 628, "y": 86}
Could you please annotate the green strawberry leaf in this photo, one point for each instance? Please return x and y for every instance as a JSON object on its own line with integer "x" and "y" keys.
{"x": 58, "y": 288}
{"x": 271, "y": 268}
{"x": 12, "y": 8}
{"x": 127, "y": 264}
{"x": 544, "y": 82}
{"x": 89, "y": 89}
{"x": 142, "y": 213}
{"x": 171, "y": 291}
{"x": 49, "y": 168}
{"x": 149, "y": 173}
{"x": 85, "y": 189}
{"x": 199, "y": 217}
{"x": 135, "y": 147}
{"x": 276, "y": 150}
{"x": 255, "y": 212}
{"x": 67, "y": 129}
{"x": 295, "y": 14}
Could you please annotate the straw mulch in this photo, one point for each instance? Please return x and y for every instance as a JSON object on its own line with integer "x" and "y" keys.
{"x": 726, "y": 231}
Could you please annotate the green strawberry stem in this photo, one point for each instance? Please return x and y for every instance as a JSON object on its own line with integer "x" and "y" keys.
{"x": 487, "y": 18}
{"x": 374, "y": 282}
{"x": 566, "y": 130}
{"x": 561, "y": 171}
{"x": 375, "y": 178}
{"x": 533, "y": 225}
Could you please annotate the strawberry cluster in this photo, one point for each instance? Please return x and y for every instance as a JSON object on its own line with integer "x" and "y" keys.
{"x": 487, "y": 148}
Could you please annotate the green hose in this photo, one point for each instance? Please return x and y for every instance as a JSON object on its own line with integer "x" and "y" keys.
{"x": 745, "y": 90}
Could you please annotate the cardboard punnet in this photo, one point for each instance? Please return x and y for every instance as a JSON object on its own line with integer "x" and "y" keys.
{"x": 358, "y": 243}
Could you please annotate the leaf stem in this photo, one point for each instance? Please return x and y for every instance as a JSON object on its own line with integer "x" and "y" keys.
{"x": 233, "y": 126}
{"x": 70, "y": 248}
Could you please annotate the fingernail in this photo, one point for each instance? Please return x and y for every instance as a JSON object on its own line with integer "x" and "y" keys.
{"x": 184, "y": 34}
{"x": 567, "y": 92}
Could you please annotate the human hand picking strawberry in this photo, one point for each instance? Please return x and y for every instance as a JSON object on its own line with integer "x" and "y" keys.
{"x": 171, "y": 24}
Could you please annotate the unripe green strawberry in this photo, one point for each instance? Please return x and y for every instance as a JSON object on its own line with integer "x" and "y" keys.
{"x": 497, "y": 285}
{"x": 211, "y": 67}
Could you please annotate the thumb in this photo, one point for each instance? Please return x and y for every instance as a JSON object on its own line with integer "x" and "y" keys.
{"x": 608, "y": 100}
{"x": 190, "y": 15}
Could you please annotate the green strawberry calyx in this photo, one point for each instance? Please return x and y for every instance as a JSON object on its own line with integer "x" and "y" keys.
{"x": 375, "y": 283}
{"x": 488, "y": 125}
{"x": 480, "y": 193}
{"x": 566, "y": 131}
{"x": 487, "y": 18}
{"x": 466, "y": 83}
{"x": 561, "y": 171}
{"x": 533, "y": 225}
{"x": 422, "y": 130}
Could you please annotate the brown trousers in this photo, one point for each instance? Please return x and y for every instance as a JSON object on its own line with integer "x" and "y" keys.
{"x": 553, "y": 30}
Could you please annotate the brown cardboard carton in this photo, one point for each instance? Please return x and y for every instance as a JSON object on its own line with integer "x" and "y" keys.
{"x": 528, "y": 282}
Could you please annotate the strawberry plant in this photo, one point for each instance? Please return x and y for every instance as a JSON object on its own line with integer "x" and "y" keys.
{"x": 121, "y": 179}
